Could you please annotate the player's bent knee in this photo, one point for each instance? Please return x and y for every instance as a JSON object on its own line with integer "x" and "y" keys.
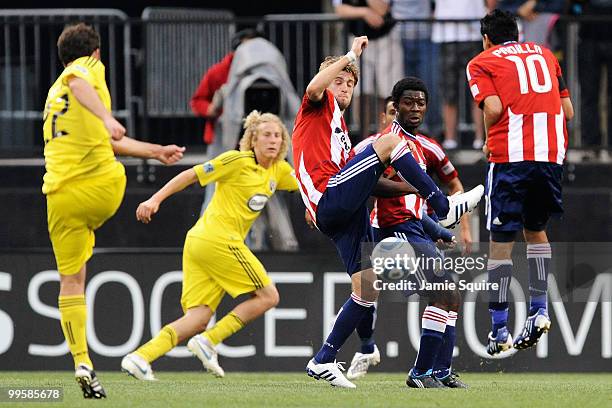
{"x": 385, "y": 144}
{"x": 535, "y": 237}
{"x": 269, "y": 295}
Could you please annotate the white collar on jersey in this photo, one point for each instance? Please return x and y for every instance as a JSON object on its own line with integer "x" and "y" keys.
{"x": 395, "y": 124}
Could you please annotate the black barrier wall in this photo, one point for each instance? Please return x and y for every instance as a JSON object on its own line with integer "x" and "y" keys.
{"x": 132, "y": 295}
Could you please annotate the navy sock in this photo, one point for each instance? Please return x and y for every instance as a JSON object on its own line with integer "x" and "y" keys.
{"x": 538, "y": 257}
{"x": 431, "y": 341}
{"x": 500, "y": 272}
{"x": 499, "y": 315}
{"x": 411, "y": 172}
{"x": 346, "y": 322}
{"x": 434, "y": 325}
{"x": 365, "y": 330}
{"x": 442, "y": 366}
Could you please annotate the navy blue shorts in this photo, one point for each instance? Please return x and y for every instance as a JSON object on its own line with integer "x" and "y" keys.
{"x": 342, "y": 213}
{"x": 412, "y": 232}
{"x": 523, "y": 194}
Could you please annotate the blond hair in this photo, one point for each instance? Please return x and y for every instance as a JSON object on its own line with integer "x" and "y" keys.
{"x": 350, "y": 68}
{"x": 252, "y": 122}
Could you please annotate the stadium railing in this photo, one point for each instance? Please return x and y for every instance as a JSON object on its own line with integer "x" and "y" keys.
{"x": 168, "y": 50}
{"x": 29, "y": 65}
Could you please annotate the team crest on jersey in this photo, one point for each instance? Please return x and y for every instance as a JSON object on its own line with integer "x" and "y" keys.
{"x": 257, "y": 202}
{"x": 344, "y": 139}
{"x": 272, "y": 185}
{"x": 208, "y": 167}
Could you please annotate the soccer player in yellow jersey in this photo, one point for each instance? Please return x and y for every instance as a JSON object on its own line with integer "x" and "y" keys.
{"x": 83, "y": 183}
{"x": 215, "y": 259}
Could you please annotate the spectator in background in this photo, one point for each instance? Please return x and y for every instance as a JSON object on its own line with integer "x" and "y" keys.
{"x": 459, "y": 42}
{"x": 420, "y": 53}
{"x": 382, "y": 65}
{"x": 207, "y": 99}
{"x": 537, "y": 18}
{"x": 594, "y": 52}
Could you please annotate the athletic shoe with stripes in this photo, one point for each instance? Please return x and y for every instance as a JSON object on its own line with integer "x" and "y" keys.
{"x": 452, "y": 381}
{"x": 207, "y": 354}
{"x": 499, "y": 343}
{"x": 88, "y": 381}
{"x": 426, "y": 380}
{"x": 330, "y": 372}
{"x": 460, "y": 204}
{"x": 535, "y": 326}
{"x": 361, "y": 363}
{"x": 137, "y": 367}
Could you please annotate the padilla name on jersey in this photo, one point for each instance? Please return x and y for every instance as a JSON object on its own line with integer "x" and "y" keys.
{"x": 528, "y": 80}
{"x": 392, "y": 211}
{"x": 321, "y": 147}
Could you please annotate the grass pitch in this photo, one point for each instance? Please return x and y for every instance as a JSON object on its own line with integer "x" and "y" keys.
{"x": 297, "y": 390}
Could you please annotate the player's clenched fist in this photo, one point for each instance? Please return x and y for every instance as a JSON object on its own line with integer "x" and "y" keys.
{"x": 146, "y": 209}
{"x": 359, "y": 44}
{"x": 170, "y": 154}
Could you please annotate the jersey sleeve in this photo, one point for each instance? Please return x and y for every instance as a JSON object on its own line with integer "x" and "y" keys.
{"x": 438, "y": 161}
{"x": 563, "y": 93}
{"x": 79, "y": 70}
{"x": 481, "y": 83}
{"x": 221, "y": 168}
{"x": 287, "y": 180}
{"x": 325, "y": 104}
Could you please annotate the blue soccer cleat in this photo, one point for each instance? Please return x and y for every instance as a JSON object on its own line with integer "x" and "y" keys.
{"x": 535, "y": 326}
{"x": 499, "y": 343}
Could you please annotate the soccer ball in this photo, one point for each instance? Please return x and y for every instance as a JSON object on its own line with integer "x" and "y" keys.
{"x": 393, "y": 259}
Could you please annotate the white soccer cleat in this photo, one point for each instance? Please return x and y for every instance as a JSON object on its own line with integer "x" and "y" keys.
{"x": 137, "y": 367}
{"x": 330, "y": 372}
{"x": 361, "y": 363}
{"x": 207, "y": 354}
{"x": 460, "y": 204}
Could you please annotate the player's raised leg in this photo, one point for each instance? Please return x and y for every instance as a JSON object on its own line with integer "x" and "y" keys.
{"x": 395, "y": 151}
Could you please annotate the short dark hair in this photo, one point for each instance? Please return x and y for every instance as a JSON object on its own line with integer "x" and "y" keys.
{"x": 385, "y": 103}
{"x": 500, "y": 26}
{"x": 76, "y": 41}
{"x": 408, "y": 84}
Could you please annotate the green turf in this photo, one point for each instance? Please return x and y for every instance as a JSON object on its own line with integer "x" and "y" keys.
{"x": 297, "y": 390}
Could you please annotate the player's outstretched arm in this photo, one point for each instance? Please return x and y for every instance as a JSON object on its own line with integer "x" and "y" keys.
{"x": 87, "y": 96}
{"x": 323, "y": 79}
{"x": 168, "y": 154}
{"x": 146, "y": 209}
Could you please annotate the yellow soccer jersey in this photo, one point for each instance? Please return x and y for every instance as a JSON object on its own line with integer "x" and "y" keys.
{"x": 76, "y": 142}
{"x": 242, "y": 191}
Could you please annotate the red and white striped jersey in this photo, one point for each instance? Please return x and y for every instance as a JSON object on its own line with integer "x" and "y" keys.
{"x": 321, "y": 147}
{"x": 526, "y": 77}
{"x": 437, "y": 161}
{"x": 392, "y": 211}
